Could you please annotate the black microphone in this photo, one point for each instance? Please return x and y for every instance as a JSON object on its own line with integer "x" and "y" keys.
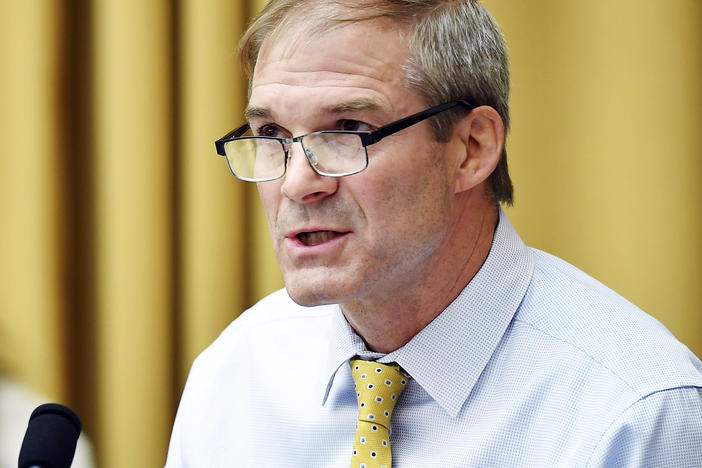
{"x": 51, "y": 437}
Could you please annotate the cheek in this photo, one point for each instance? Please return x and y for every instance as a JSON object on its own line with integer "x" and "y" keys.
{"x": 270, "y": 198}
{"x": 406, "y": 199}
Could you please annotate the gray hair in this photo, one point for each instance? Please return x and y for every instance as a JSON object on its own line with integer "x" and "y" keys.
{"x": 456, "y": 51}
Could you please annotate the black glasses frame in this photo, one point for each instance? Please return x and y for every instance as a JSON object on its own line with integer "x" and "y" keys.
{"x": 367, "y": 137}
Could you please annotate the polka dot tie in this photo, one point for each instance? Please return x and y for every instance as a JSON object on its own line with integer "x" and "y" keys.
{"x": 378, "y": 386}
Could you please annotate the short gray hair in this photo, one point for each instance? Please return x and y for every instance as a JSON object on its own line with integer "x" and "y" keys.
{"x": 456, "y": 51}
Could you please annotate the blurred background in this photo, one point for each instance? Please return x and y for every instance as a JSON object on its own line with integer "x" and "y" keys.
{"x": 126, "y": 245}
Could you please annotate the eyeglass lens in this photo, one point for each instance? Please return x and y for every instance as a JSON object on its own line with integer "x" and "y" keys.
{"x": 260, "y": 158}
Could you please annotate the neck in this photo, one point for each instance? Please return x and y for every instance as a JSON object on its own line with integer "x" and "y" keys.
{"x": 389, "y": 322}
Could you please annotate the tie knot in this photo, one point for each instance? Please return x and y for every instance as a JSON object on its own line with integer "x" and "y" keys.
{"x": 378, "y": 387}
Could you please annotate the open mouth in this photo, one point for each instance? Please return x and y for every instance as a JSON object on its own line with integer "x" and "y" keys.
{"x": 317, "y": 237}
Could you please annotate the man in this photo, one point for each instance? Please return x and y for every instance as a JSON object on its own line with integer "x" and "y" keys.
{"x": 398, "y": 260}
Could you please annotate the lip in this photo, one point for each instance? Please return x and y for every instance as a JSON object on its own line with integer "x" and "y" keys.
{"x": 299, "y": 249}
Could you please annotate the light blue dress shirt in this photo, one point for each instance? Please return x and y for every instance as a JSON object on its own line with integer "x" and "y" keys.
{"x": 535, "y": 364}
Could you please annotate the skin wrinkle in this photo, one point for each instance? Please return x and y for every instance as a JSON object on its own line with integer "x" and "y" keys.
{"x": 482, "y": 233}
{"x": 301, "y": 83}
{"x": 307, "y": 40}
{"x": 357, "y": 312}
{"x": 442, "y": 296}
{"x": 354, "y": 105}
{"x": 465, "y": 27}
{"x": 305, "y": 35}
{"x": 381, "y": 105}
{"x": 411, "y": 229}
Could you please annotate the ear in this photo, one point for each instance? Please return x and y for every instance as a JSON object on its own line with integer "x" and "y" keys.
{"x": 480, "y": 136}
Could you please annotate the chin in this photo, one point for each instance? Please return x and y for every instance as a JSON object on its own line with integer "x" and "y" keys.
{"x": 309, "y": 294}
{"x": 308, "y": 298}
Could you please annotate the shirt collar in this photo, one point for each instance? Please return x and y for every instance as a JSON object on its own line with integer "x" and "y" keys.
{"x": 447, "y": 357}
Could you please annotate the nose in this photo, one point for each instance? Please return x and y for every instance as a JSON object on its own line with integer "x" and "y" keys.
{"x": 301, "y": 183}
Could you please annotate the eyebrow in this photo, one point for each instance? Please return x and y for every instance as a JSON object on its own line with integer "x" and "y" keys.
{"x": 260, "y": 112}
{"x": 354, "y": 105}
{"x": 360, "y": 104}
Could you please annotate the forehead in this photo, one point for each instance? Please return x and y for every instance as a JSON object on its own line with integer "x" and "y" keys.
{"x": 353, "y": 62}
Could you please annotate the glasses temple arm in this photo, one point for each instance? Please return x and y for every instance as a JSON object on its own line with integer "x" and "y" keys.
{"x": 408, "y": 121}
{"x": 219, "y": 144}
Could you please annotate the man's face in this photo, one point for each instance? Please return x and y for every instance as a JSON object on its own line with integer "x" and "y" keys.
{"x": 370, "y": 236}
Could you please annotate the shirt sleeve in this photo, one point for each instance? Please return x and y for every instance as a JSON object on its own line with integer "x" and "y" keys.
{"x": 661, "y": 429}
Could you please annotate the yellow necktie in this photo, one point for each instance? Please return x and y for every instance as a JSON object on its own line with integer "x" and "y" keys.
{"x": 378, "y": 387}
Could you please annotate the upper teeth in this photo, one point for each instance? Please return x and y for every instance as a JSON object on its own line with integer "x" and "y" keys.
{"x": 316, "y": 237}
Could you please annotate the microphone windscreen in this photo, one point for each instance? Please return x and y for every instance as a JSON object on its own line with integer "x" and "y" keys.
{"x": 51, "y": 437}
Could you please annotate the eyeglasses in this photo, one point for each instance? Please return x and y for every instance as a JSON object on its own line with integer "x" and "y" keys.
{"x": 332, "y": 153}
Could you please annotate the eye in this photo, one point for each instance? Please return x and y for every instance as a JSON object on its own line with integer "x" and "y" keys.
{"x": 354, "y": 126}
{"x": 269, "y": 131}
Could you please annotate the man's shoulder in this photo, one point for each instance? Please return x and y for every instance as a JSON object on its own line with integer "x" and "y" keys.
{"x": 600, "y": 326}
{"x": 268, "y": 326}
